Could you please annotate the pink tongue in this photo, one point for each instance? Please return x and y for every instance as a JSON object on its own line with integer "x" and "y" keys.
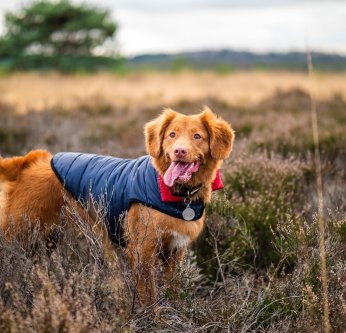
{"x": 180, "y": 171}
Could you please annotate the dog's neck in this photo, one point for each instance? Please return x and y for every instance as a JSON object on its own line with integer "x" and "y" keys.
{"x": 181, "y": 190}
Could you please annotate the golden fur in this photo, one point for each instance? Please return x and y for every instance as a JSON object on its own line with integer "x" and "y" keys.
{"x": 29, "y": 190}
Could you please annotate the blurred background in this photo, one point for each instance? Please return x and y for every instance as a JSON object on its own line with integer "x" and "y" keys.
{"x": 224, "y": 34}
{"x": 87, "y": 75}
{"x": 107, "y": 58}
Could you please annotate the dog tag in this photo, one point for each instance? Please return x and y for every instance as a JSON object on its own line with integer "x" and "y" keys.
{"x": 188, "y": 214}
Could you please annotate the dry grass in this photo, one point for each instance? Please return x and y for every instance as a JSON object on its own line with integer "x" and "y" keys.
{"x": 39, "y": 92}
{"x": 319, "y": 185}
{"x": 255, "y": 269}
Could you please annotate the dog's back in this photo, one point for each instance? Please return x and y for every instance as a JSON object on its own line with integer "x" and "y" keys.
{"x": 29, "y": 190}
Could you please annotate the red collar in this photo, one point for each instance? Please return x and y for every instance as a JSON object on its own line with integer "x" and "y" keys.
{"x": 167, "y": 196}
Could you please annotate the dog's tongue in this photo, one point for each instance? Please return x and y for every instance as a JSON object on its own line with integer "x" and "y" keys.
{"x": 180, "y": 171}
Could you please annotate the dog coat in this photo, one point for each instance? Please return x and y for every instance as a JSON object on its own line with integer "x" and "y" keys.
{"x": 117, "y": 183}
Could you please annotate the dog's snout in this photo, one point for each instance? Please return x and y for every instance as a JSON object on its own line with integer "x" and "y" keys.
{"x": 180, "y": 152}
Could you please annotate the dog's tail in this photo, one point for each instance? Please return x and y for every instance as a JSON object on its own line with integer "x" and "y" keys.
{"x": 11, "y": 168}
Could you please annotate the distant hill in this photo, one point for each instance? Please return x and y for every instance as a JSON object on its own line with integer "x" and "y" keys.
{"x": 224, "y": 60}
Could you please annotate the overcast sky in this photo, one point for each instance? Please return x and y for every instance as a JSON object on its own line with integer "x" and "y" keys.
{"x": 149, "y": 26}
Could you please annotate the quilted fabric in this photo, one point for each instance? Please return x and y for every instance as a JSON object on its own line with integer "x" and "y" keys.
{"x": 116, "y": 183}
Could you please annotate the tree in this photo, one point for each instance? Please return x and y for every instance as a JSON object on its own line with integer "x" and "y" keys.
{"x": 55, "y": 34}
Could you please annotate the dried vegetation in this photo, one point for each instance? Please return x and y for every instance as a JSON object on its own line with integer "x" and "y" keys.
{"x": 256, "y": 267}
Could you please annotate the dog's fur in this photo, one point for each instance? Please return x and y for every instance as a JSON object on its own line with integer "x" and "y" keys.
{"x": 29, "y": 190}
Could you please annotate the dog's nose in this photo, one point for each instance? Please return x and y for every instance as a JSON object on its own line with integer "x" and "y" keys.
{"x": 180, "y": 152}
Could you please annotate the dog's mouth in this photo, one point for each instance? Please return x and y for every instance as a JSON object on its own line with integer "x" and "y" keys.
{"x": 180, "y": 172}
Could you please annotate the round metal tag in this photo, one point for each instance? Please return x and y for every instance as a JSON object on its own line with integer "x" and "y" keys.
{"x": 188, "y": 214}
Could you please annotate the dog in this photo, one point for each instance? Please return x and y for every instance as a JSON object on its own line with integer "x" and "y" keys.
{"x": 163, "y": 194}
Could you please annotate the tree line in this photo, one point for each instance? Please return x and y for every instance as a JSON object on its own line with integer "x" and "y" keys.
{"x": 58, "y": 35}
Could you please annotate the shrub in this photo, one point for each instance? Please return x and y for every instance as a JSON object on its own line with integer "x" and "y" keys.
{"x": 259, "y": 194}
{"x": 63, "y": 285}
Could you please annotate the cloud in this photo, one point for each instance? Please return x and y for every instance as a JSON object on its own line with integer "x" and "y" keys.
{"x": 260, "y": 25}
{"x": 252, "y": 28}
{"x": 180, "y": 5}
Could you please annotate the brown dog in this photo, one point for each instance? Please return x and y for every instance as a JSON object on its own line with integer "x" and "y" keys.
{"x": 186, "y": 153}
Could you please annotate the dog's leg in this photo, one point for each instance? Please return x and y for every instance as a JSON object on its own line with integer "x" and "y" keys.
{"x": 172, "y": 264}
{"x": 142, "y": 252}
{"x": 143, "y": 261}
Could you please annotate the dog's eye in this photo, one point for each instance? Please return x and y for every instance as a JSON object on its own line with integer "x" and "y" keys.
{"x": 197, "y": 136}
{"x": 172, "y": 134}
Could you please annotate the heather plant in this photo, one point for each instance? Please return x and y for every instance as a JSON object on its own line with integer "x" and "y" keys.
{"x": 62, "y": 284}
{"x": 13, "y": 134}
{"x": 289, "y": 131}
{"x": 260, "y": 193}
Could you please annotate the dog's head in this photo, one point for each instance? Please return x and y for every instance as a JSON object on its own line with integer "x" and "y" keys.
{"x": 188, "y": 149}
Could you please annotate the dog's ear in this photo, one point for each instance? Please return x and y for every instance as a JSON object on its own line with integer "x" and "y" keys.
{"x": 221, "y": 135}
{"x": 155, "y": 130}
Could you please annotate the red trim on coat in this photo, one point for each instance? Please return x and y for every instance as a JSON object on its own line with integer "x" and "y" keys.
{"x": 167, "y": 196}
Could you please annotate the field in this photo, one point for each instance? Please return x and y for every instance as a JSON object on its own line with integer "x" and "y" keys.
{"x": 255, "y": 268}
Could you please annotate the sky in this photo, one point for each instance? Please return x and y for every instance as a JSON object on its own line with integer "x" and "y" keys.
{"x": 152, "y": 26}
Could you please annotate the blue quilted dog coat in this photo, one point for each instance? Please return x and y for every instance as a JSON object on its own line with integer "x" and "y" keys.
{"x": 116, "y": 182}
